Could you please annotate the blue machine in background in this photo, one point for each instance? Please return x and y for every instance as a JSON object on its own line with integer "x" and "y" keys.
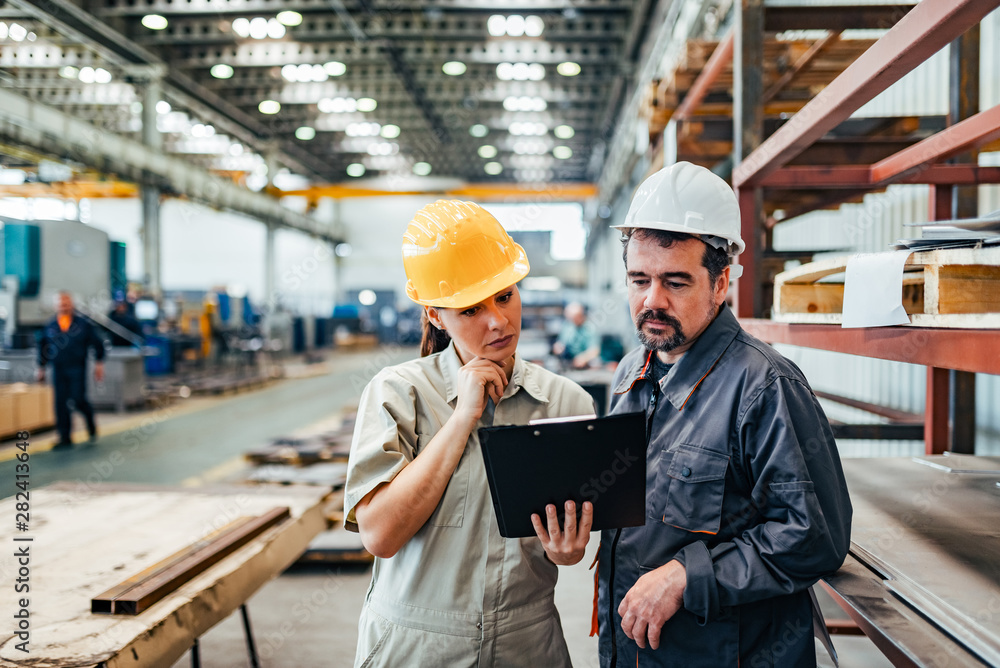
{"x": 22, "y": 257}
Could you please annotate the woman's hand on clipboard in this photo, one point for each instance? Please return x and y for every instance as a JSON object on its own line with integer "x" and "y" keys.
{"x": 564, "y": 546}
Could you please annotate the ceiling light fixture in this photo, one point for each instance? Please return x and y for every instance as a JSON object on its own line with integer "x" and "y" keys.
{"x": 305, "y": 133}
{"x": 524, "y": 103}
{"x": 221, "y": 71}
{"x": 515, "y": 25}
{"x": 269, "y": 107}
{"x": 102, "y": 76}
{"x": 154, "y": 21}
{"x": 241, "y": 26}
{"x": 518, "y": 128}
{"x": 335, "y": 68}
{"x": 356, "y": 169}
{"x": 289, "y": 18}
{"x": 87, "y": 75}
{"x": 564, "y": 132}
{"x": 337, "y": 105}
{"x": 562, "y": 152}
{"x": 366, "y": 104}
{"x": 487, "y": 151}
{"x": 69, "y": 72}
{"x": 274, "y": 29}
{"x": 17, "y": 32}
{"x": 534, "y": 26}
{"x": 258, "y": 28}
{"x": 568, "y": 68}
{"x": 390, "y": 131}
{"x": 496, "y": 25}
{"x": 492, "y": 168}
{"x": 422, "y": 168}
{"x": 454, "y": 68}
{"x": 479, "y": 130}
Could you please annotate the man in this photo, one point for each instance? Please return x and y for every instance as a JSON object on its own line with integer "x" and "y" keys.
{"x": 746, "y": 501}
{"x": 578, "y": 342}
{"x": 65, "y": 342}
{"x": 129, "y": 331}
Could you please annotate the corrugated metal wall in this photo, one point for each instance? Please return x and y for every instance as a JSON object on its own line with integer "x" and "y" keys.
{"x": 871, "y": 226}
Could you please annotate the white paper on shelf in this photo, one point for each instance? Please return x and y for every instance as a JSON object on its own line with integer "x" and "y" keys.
{"x": 873, "y": 290}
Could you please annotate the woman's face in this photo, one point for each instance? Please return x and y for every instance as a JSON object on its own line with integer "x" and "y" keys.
{"x": 489, "y": 329}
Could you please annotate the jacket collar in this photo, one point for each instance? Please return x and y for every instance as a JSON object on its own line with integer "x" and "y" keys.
{"x": 685, "y": 376}
{"x": 523, "y": 376}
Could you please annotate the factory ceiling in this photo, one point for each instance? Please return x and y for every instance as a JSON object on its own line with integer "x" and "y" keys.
{"x": 334, "y": 90}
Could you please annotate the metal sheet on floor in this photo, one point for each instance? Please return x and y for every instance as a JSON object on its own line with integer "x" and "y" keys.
{"x": 933, "y": 535}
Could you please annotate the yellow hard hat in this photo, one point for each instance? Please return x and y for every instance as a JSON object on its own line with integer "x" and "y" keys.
{"x": 457, "y": 254}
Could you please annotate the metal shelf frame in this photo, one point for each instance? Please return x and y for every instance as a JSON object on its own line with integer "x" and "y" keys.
{"x": 952, "y": 356}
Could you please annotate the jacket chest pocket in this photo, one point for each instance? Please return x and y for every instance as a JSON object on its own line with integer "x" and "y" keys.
{"x": 693, "y": 489}
{"x": 450, "y": 510}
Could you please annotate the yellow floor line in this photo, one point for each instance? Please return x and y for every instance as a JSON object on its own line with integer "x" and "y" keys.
{"x": 216, "y": 473}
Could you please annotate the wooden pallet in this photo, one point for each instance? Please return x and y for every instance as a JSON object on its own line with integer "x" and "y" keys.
{"x": 954, "y": 288}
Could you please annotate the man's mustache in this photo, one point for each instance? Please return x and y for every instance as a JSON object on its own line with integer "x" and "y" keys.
{"x": 659, "y": 316}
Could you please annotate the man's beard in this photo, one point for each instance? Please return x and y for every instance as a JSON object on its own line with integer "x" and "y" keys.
{"x": 660, "y": 343}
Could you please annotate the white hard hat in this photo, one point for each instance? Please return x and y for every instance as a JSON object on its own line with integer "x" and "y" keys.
{"x": 692, "y": 200}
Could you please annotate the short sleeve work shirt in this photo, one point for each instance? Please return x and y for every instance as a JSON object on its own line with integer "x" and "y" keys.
{"x": 457, "y": 575}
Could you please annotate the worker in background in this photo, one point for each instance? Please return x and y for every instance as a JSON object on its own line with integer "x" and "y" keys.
{"x": 65, "y": 343}
{"x": 747, "y": 504}
{"x": 123, "y": 316}
{"x": 578, "y": 342}
{"x": 205, "y": 327}
{"x": 447, "y": 589}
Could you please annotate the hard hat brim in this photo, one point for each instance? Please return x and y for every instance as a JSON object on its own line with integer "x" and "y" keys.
{"x": 680, "y": 229}
{"x": 474, "y": 294}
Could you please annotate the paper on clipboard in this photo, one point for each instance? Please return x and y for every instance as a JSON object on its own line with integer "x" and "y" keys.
{"x": 873, "y": 290}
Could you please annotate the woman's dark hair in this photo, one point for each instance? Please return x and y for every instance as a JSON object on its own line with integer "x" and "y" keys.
{"x": 433, "y": 340}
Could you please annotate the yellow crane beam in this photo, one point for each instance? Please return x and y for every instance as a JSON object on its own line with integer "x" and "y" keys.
{"x": 480, "y": 192}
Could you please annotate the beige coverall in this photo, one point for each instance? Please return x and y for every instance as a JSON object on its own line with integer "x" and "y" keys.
{"x": 458, "y": 593}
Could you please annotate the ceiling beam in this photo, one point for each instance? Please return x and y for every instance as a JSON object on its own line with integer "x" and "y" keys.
{"x": 834, "y": 17}
{"x": 835, "y": 177}
{"x": 972, "y": 133}
{"x": 926, "y": 29}
{"x": 584, "y": 8}
{"x": 47, "y": 129}
{"x": 80, "y": 25}
{"x": 721, "y": 58}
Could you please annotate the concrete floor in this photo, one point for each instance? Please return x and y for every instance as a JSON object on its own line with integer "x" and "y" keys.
{"x": 323, "y": 606}
{"x": 308, "y": 616}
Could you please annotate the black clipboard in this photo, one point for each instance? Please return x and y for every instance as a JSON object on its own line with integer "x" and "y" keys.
{"x": 601, "y": 460}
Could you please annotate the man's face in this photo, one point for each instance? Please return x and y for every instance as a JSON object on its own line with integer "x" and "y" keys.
{"x": 670, "y": 296}
{"x": 64, "y": 304}
{"x": 575, "y": 314}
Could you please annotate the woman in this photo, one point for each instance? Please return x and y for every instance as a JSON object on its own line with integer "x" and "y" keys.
{"x": 447, "y": 589}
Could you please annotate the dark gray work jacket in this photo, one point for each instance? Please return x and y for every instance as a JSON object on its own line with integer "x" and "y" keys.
{"x": 744, "y": 487}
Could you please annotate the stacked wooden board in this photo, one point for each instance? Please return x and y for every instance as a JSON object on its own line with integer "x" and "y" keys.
{"x": 316, "y": 455}
{"x": 953, "y": 288}
{"x": 25, "y": 407}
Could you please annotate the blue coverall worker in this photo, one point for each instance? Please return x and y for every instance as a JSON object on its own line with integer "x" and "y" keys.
{"x": 746, "y": 501}
{"x": 65, "y": 342}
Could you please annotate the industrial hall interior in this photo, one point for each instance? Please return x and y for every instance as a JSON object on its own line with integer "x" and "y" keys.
{"x": 499, "y": 333}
